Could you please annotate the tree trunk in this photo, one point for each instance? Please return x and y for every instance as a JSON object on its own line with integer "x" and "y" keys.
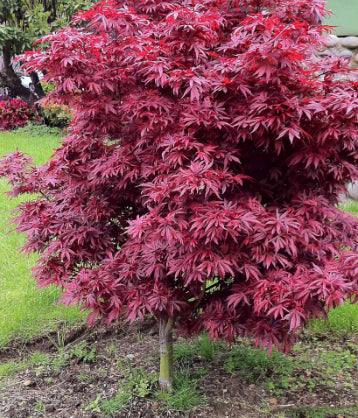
{"x": 12, "y": 81}
{"x": 37, "y": 85}
{"x": 166, "y": 353}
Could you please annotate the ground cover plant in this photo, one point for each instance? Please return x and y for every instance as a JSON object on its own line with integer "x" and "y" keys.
{"x": 24, "y": 310}
{"x": 199, "y": 180}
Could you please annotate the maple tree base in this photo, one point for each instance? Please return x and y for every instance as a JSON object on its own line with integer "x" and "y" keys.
{"x": 166, "y": 353}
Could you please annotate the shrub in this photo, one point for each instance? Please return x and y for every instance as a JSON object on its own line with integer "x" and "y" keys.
{"x": 56, "y": 115}
{"x": 14, "y": 113}
{"x": 199, "y": 179}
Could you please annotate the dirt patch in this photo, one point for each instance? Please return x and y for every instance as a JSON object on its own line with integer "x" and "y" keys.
{"x": 65, "y": 384}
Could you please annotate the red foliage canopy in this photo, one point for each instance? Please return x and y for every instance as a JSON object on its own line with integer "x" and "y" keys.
{"x": 201, "y": 174}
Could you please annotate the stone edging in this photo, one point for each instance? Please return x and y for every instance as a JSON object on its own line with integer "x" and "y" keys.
{"x": 346, "y": 47}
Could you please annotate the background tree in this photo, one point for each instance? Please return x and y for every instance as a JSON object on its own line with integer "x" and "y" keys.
{"x": 199, "y": 180}
{"x": 21, "y": 23}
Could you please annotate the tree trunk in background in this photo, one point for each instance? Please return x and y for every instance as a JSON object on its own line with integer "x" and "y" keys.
{"x": 166, "y": 353}
{"x": 10, "y": 80}
{"x": 37, "y": 85}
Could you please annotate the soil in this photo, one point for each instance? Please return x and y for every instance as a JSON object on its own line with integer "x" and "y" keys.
{"x": 66, "y": 391}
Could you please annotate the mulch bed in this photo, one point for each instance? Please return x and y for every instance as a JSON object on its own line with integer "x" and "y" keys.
{"x": 44, "y": 391}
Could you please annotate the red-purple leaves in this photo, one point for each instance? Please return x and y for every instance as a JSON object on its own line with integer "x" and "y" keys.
{"x": 14, "y": 113}
{"x": 201, "y": 173}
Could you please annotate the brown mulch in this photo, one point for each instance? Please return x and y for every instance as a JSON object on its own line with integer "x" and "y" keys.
{"x": 44, "y": 391}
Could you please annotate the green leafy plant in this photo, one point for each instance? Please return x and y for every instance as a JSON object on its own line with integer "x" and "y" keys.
{"x": 39, "y": 358}
{"x": 34, "y": 129}
{"x": 111, "y": 407}
{"x": 11, "y": 368}
{"x": 94, "y": 406}
{"x": 56, "y": 115}
{"x": 137, "y": 381}
{"x": 184, "y": 351}
{"x": 206, "y": 347}
{"x": 256, "y": 364}
{"x": 59, "y": 342}
{"x": 185, "y": 395}
{"x": 83, "y": 377}
{"x": 112, "y": 349}
{"x": 82, "y": 353}
{"x": 40, "y": 407}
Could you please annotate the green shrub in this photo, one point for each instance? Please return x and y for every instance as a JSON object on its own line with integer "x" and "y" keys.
{"x": 56, "y": 115}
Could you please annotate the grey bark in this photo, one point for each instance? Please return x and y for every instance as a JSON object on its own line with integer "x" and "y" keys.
{"x": 11, "y": 80}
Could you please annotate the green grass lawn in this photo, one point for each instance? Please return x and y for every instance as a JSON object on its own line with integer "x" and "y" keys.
{"x": 25, "y": 310}
{"x": 350, "y": 206}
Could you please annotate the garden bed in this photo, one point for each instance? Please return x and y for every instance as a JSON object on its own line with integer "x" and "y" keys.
{"x": 100, "y": 372}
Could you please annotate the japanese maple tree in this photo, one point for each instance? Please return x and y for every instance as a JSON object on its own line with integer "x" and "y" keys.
{"x": 199, "y": 180}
